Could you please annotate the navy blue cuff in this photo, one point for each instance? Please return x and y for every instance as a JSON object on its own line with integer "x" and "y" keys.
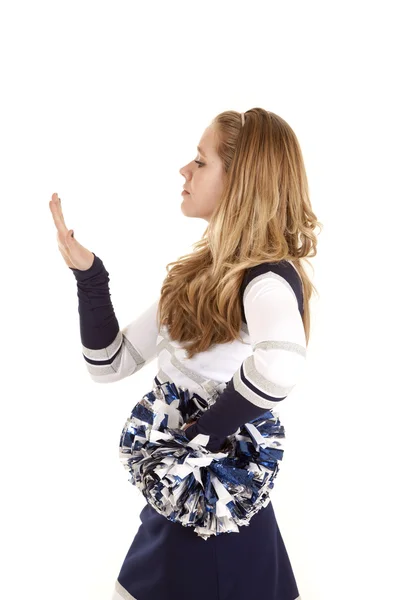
{"x": 96, "y": 268}
{"x": 214, "y": 443}
{"x": 230, "y": 411}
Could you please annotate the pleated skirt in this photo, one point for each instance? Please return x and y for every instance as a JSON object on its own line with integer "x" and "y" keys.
{"x": 167, "y": 561}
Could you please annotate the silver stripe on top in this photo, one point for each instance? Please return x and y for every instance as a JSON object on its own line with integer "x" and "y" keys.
{"x": 277, "y": 345}
{"x": 209, "y": 385}
{"x": 120, "y": 593}
{"x": 105, "y": 353}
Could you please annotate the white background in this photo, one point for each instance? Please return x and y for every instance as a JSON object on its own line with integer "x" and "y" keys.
{"x": 103, "y": 102}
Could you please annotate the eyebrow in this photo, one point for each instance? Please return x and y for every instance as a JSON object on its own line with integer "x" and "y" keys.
{"x": 201, "y": 151}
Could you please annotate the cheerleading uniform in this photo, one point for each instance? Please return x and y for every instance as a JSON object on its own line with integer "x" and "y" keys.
{"x": 249, "y": 376}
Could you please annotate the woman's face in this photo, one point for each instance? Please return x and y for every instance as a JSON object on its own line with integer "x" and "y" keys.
{"x": 204, "y": 179}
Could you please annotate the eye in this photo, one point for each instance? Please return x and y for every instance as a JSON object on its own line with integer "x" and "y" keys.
{"x": 199, "y": 163}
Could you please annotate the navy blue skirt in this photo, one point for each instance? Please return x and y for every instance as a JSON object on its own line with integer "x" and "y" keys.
{"x": 167, "y": 561}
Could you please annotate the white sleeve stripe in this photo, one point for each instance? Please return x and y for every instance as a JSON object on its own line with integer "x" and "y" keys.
{"x": 252, "y": 376}
{"x": 106, "y": 361}
{"x": 114, "y": 368}
{"x": 111, "y": 352}
{"x": 253, "y": 397}
{"x": 256, "y": 388}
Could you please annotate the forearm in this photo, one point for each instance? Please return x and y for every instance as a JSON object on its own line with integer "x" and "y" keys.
{"x": 98, "y": 323}
{"x": 224, "y": 417}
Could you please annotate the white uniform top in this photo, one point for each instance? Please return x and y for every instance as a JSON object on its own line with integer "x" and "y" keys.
{"x": 263, "y": 368}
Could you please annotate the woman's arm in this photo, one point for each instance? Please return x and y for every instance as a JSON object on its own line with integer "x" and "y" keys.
{"x": 111, "y": 354}
{"x": 267, "y": 376}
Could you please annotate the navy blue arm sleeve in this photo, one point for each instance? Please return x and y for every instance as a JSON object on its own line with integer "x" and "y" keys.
{"x": 230, "y": 411}
{"x": 98, "y": 323}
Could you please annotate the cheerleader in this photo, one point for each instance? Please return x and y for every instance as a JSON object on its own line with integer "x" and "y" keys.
{"x": 229, "y": 332}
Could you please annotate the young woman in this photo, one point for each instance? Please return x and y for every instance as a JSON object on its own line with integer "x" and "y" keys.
{"x": 229, "y": 331}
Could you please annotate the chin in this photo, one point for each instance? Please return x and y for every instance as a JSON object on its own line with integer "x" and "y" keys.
{"x": 187, "y": 212}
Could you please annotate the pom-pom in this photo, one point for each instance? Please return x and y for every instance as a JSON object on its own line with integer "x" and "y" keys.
{"x": 214, "y": 492}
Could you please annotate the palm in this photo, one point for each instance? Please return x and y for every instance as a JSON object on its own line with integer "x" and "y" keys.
{"x": 75, "y": 255}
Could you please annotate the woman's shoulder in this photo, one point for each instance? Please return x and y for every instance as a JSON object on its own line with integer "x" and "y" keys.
{"x": 283, "y": 270}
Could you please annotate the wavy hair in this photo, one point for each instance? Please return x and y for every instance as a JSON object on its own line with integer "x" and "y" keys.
{"x": 264, "y": 215}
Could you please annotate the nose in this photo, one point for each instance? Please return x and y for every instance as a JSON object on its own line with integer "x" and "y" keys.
{"x": 185, "y": 172}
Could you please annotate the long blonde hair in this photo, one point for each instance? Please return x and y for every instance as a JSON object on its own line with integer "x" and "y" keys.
{"x": 264, "y": 215}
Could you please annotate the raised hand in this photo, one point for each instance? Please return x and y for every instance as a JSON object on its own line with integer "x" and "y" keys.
{"x": 75, "y": 255}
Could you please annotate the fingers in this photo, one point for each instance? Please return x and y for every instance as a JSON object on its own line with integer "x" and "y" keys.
{"x": 58, "y": 218}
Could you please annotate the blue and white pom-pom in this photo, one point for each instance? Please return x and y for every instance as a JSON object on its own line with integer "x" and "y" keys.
{"x": 214, "y": 492}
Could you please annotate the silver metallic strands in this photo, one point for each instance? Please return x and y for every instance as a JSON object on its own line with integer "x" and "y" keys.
{"x": 214, "y": 492}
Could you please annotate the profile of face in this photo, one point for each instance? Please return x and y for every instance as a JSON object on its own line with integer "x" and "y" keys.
{"x": 204, "y": 179}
